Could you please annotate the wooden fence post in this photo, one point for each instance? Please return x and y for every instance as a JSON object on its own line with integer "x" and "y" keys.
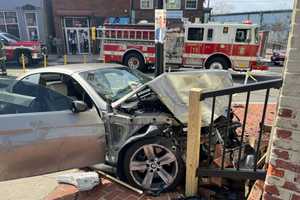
{"x": 193, "y": 142}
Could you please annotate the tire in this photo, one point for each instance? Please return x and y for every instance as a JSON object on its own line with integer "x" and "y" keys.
{"x": 27, "y": 58}
{"x": 217, "y": 63}
{"x": 166, "y": 176}
{"x": 135, "y": 61}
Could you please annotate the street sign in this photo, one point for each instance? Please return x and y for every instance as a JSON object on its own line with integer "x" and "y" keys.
{"x": 174, "y": 14}
{"x": 160, "y": 25}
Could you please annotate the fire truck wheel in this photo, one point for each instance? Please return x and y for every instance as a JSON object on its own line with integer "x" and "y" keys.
{"x": 217, "y": 63}
{"x": 135, "y": 61}
{"x": 27, "y": 59}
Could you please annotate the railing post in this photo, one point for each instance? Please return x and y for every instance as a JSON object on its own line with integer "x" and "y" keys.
{"x": 193, "y": 142}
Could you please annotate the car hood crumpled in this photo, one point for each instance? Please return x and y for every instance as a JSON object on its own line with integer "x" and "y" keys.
{"x": 173, "y": 90}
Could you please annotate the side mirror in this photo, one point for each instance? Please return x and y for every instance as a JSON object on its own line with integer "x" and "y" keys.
{"x": 79, "y": 106}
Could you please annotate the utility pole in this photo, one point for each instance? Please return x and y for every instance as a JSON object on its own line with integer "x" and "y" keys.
{"x": 132, "y": 14}
{"x": 208, "y": 3}
{"x": 159, "y": 47}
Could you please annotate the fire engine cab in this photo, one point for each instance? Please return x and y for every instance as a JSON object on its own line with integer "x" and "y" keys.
{"x": 210, "y": 45}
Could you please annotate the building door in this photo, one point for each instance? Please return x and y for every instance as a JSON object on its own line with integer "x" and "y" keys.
{"x": 77, "y": 35}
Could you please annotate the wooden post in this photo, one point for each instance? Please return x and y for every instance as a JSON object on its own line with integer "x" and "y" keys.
{"x": 193, "y": 142}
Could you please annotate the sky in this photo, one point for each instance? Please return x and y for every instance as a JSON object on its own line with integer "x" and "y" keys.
{"x": 249, "y": 5}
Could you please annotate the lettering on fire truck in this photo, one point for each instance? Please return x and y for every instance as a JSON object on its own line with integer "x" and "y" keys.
{"x": 211, "y": 45}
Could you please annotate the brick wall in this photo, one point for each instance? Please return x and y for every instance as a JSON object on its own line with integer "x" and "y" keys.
{"x": 95, "y": 10}
{"x": 148, "y": 14}
{"x": 283, "y": 177}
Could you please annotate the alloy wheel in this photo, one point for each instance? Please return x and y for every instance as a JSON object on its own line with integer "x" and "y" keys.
{"x": 153, "y": 167}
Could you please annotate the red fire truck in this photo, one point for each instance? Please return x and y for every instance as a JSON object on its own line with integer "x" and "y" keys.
{"x": 211, "y": 45}
{"x": 15, "y": 48}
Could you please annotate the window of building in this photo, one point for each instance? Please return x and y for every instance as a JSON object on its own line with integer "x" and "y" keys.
{"x": 210, "y": 34}
{"x": 243, "y": 35}
{"x": 173, "y": 4}
{"x": 195, "y": 34}
{"x": 146, "y": 4}
{"x": 191, "y": 4}
{"x": 9, "y": 23}
{"x": 32, "y": 26}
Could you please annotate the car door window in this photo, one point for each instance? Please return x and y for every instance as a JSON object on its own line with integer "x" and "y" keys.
{"x": 25, "y": 97}
{"x": 62, "y": 84}
{"x": 35, "y": 79}
{"x": 66, "y": 86}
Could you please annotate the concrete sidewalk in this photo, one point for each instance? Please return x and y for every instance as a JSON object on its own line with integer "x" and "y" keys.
{"x": 35, "y": 188}
{"x": 73, "y": 59}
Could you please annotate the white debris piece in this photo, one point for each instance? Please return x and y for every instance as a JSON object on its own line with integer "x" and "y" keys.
{"x": 84, "y": 181}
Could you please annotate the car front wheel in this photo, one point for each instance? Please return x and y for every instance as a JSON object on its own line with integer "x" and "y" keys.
{"x": 153, "y": 165}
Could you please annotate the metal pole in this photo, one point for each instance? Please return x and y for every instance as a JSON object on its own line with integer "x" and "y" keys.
{"x": 23, "y": 63}
{"x": 159, "y": 48}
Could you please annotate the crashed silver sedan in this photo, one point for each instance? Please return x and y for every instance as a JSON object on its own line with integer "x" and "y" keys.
{"x": 73, "y": 116}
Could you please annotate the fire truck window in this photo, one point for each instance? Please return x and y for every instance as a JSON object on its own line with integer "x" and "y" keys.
{"x": 210, "y": 34}
{"x": 242, "y": 35}
{"x": 195, "y": 34}
{"x": 225, "y": 30}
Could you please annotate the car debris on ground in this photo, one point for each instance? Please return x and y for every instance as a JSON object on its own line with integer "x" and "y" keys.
{"x": 83, "y": 181}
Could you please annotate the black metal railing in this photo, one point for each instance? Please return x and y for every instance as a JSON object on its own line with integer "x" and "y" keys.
{"x": 237, "y": 171}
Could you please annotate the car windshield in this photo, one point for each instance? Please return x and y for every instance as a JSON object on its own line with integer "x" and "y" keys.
{"x": 114, "y": 83}
{"x": 10, "y": 37}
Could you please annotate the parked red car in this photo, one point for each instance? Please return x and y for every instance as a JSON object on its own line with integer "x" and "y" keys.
{"x": 15, "y": 47}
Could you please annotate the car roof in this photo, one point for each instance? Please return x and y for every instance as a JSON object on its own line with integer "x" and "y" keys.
{"x": 74, "y": 68}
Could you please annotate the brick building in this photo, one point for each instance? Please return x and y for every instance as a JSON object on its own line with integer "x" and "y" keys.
{"x": 73, "y": 18}
{"x": 26, "y": 19}
{"x": 189, "y": 9}
{"x": 283, "y": 178}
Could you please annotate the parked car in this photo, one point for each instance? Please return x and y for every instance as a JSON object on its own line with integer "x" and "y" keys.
{"x": 2, "y": 52}
{"x": 15, "y": 48}
{"x": 278, "y": 57}
{"x": 2, "y": 59}
{"x": 75, "y": 116}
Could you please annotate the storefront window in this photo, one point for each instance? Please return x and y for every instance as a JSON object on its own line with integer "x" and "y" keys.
{"x": 2, "y": 22}
{"x": 13, "y": 29}
{"x": 9, "y": 22}
{"x": 76, "y": 22}
{"x": 32, "y": 27}
{"x": 173, "y": 4}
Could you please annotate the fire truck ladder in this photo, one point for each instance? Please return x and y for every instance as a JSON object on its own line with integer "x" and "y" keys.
{"x": 113, "y": 35}
{"x": 120, "y": 34}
